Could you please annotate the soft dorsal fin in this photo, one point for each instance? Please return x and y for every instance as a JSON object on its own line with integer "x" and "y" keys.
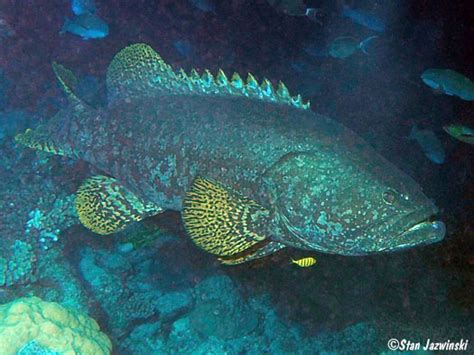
{"x": 137, "y": 70}
{"x": 68, "y": 82}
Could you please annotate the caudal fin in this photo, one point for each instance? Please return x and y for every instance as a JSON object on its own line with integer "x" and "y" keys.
{"x": 364, "y": 44}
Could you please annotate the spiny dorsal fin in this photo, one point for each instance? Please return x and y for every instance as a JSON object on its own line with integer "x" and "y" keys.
{"x": 137, "y": 70}
{"x": 68, "y": 82}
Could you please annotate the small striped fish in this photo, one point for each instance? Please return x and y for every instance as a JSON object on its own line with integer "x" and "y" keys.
{"x": 304, "y": 262}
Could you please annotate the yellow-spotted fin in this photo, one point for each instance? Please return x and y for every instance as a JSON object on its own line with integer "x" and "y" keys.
{"x": 105, "y": 206}
{"x": 304, "y": 262}
{"x": 137, "y": 70}
{"x": 222, "y": 221}
{"x": 39, "y": 140}
{"x": 261, "y": 251}
{"x": 68, "y": 82}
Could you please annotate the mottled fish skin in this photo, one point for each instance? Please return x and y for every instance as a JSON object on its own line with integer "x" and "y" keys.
{"x": 326, "y": 188}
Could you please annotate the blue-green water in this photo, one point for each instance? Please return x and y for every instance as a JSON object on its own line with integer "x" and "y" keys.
{"x": 149, "y": 288}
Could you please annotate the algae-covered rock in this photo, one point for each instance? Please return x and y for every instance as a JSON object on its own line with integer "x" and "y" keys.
{"x": 220, "y": 311}
{"x": 216, "y": 319}
{"x": 173, "y": 303}
{"x": 22, "y": 264}
{"x": 145, "y": 339}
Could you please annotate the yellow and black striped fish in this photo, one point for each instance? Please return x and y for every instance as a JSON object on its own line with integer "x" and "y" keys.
{"x": 304, "y": 262}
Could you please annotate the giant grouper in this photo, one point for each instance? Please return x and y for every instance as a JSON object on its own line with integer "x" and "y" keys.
{"x": 251, "y": 168}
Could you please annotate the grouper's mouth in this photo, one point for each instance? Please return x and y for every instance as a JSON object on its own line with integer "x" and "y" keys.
{"x": 426, "y": 231}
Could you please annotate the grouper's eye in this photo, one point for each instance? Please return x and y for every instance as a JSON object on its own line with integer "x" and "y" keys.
{"x": 389, "y": 196}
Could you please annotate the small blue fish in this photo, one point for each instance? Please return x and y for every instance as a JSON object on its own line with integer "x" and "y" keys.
{"x": 364, "y": 18}
{"x": 5, "y": 29}
{"x": 87, "y": 26}
{"x": 204, "y": 5}
{"x": 343, "y": 47}
{"x": 184, "y": 48}
{"x": 81, "y": 7}
{"x": 290, "y": 7}
{"x": 316, "y": 48}
{"x": 429, "y": 143}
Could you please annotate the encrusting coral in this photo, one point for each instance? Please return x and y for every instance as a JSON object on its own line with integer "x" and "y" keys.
{"x": 51, "y": 326}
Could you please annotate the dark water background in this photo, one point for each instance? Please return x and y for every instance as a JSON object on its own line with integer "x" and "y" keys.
{"x": 423, "y": 291}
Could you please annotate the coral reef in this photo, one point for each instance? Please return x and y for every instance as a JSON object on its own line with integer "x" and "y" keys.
{"x": 46, "y": 226}
{"x": 51, "y": 326}
{"x": 33, "y": 348}
{"x": 21, "y": 265}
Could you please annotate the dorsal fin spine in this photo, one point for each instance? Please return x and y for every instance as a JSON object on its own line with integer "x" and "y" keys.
{"x": 221, "y": 79}
{"x": 139, "y": 70}
{"x": 237, "y": 81}
{"x": 207, "y": 83}
{"x": 252, "y": 84}
{"x": 207, "y": 79}
{"x": 267, "y": 88}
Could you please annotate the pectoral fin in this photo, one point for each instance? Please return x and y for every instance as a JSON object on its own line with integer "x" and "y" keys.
{"x": 265, "y": 250}
{"x": 105, "y": 206}
{"x": 222, "y": 221}
{"x": 39, "y": 139}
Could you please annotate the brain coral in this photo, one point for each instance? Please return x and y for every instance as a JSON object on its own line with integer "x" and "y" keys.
{"x": 51, "y": 326}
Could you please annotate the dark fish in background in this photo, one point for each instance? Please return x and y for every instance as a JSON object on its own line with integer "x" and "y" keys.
{"x": 460, "y": 132}
{"x": 81, "y": 7}
{"x": 87, "y": 26}
{"x": 289, "y": 7}
{"x": 204, "y": 5}
{"x": 364, "y": 18}
{"x": 429, "y": 143}
{"x": 449, "y": 82}
{"x": 314, "y": 14}
{"x": 184, "y": 48}
{"x": 316, "y": 48}
{"x": 343, "y": 47}
{"x": 5, "y": 29}
{"x": 297, "y": 8}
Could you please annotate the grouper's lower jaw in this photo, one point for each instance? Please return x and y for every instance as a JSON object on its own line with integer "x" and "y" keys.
{"x": 425, "y": 232}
